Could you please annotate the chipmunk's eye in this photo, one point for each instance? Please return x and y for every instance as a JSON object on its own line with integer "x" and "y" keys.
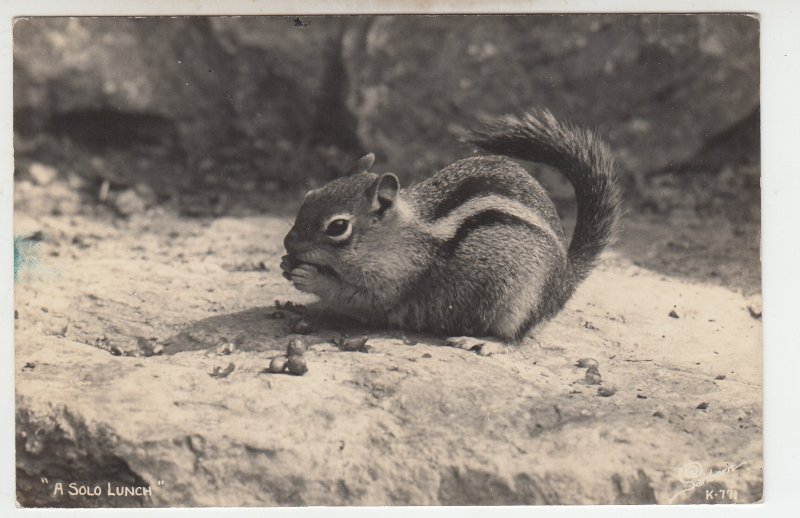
{"x": 339, "y": 229}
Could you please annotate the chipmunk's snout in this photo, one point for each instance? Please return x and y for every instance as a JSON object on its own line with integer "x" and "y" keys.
{"x": 291, "y": 242}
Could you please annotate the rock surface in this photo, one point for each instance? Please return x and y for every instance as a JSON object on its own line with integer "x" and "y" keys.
{"x": 657, "y": 87}
{"x": 123, "y": 322}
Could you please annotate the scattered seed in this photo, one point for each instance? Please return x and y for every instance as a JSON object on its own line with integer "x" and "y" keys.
{"x": 290, "y": 306}
{"x": 641, "y": 396}
{"x": 358, "y": 344}
{"x": 116, "y": 351}
{"x": 297, "y": 365}
{"x": 148, "y": 347}
{"x": 296, "y": 347}
{"x": 218, "y": 372}
{"x": 226, "y": 348}
{"x": 427, "y": 355}
{"x": 606, "y": 391}
{"x": 278, "y": 364}
{"x": 658, "y": 414}
{"x": 302, "y": 327}
{"x": 585, "y": 363}
{"x": 720, "y": 377}
{"x": 673, "y": 314}
{"x": 592, "y": 376}
{"x": 196, "y": 443}
{"x": 702, "y": 406}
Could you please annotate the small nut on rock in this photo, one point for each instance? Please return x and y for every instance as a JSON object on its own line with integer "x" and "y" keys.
{"x": 592, "y": 376}
{"x": 586, "y": 363}
{"x": 278, "y": 364}
{"x": 226, "y": 348}
{"x": 302, "y": 327}
{"x": 297, "y": 365}
{"x": 344, "y": 343}
{"x": 219, "y": 372}
{"x": 296, "y": 347}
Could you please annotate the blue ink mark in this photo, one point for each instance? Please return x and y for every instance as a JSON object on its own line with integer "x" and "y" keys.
{"x": 26, "y": 254}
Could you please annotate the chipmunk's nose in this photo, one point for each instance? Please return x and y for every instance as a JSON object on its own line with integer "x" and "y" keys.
{"x": 290, "y": 242}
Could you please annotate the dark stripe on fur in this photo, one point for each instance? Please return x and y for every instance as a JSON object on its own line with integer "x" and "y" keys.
{"x": 481, "y": 219}
{"x": 471, "y": 188}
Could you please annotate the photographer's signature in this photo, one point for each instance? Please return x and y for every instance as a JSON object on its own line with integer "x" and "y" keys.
{"x": 692, "y": 476}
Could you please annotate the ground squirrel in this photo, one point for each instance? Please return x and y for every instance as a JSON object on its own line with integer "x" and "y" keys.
{"x": 477, "y": 249}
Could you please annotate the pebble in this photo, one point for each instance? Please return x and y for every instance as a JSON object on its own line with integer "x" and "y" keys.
{"x": 606, "y": 391}
{"x": 42, "y": 174}
{"x": 128, "y": 202}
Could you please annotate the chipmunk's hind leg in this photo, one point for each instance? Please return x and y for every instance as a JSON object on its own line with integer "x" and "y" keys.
{"x": 537, "y": 294}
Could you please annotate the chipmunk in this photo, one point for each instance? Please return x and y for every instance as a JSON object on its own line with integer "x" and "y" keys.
{"x": 477, "y": 249}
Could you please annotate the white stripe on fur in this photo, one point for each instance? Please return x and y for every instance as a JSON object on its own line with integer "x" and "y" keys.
{"x": 447, "y": 227}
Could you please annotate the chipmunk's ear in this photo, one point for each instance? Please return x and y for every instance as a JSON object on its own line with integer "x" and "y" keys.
{"x": 386, "y": 189}
{"x": 363, "y": 164}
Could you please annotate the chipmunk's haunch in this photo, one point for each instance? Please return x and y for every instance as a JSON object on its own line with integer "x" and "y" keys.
{"x": 476, "y": 249}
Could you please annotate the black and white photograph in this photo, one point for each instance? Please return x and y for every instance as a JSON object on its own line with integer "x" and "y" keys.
{"x": 387, "y": 260}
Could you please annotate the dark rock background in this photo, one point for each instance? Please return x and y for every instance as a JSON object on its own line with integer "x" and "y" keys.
{"x": 221, "y": 113}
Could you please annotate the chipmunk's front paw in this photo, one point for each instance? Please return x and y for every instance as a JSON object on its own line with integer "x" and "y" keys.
{"x": 308, "y": 278}
{"x": 289, "y": 263}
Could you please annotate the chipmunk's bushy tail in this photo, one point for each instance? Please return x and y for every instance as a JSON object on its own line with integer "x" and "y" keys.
{"x": 586, "y": 162}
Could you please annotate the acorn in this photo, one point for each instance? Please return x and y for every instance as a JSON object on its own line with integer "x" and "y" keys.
{"x": 296, "y": 347}
{"x": 297, "y": 365}
{"x": 278, "y": 364}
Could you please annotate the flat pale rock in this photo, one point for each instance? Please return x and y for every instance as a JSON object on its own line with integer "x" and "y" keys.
{"x": 418, "y": 424}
